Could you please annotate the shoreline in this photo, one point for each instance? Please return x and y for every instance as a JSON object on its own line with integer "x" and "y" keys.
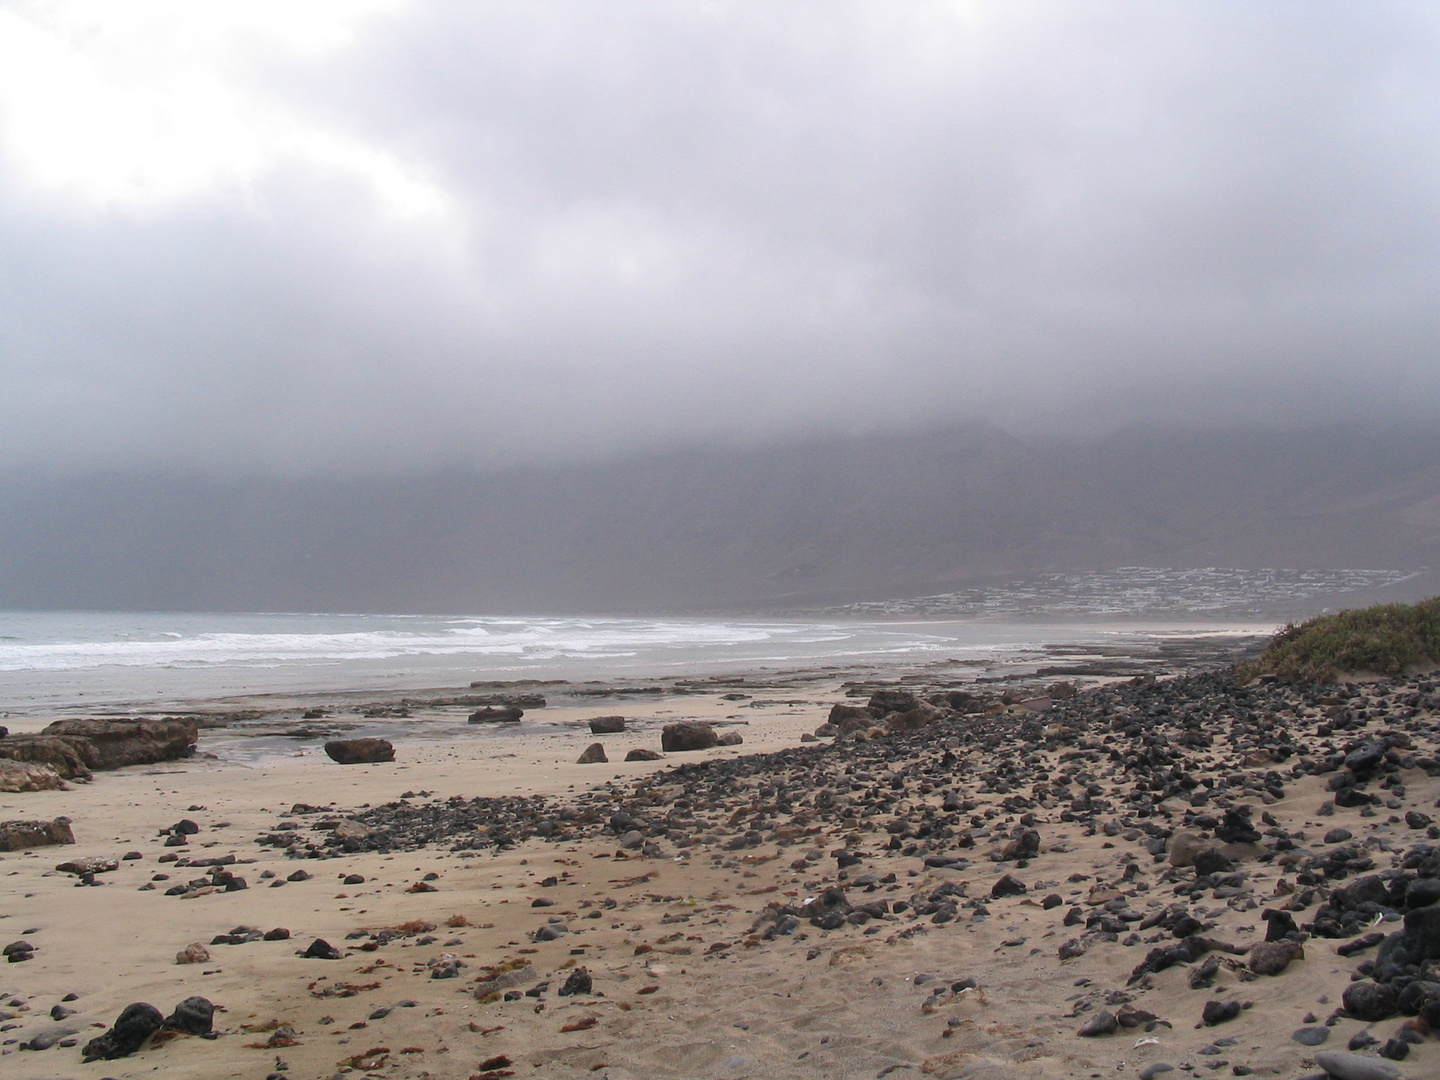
{"x": 1168, "y": 645}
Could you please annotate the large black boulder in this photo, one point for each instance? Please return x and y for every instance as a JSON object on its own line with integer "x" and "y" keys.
{"x": 135, "y": 1024}
{"x": 687, "y": 735}
{"x": 195, "y": 1015}
{"x": 1370, "y": 1001}
{"x": 1236, "y": 828}
{"x": 1417, "y": 995}
{"x": 1007, "y": 886}
{"x": 1365, "y": 758}
{"x": 1422, "y": 893}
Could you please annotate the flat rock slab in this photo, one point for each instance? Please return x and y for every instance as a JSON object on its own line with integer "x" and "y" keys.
{"x": 95, "y": 864}
{"x": 18, "y": 835}
{"x": 20, "y": 776}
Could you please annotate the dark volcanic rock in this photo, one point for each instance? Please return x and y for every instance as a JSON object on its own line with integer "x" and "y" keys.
{"x": 1360, "y": 944}
{"x": 1273, "y": 957}
{"x": 1213, "y": 861}
{"x": 639, "y": 754}
{"x": 841, "y": 714}
{"x": 1422, "y": 893}
{"x": 1219, "y": 1012}
{"x": 1024, "y": 846}
{"x": 579, "y": 982}
{"x": 1422, "y": 926}
{"x": 687, "y": 735}
{"x": 828, "y": 910}
{"x": 883, "y": 702}
{"x": 195, "y": 1015}
{"x": 1236, "y": 828}
{"x": 1158, "y": 959}
{"x": 135, "y": 1024}
{"x": 917, "y": 718}
{"x": 1416, "y": 996}
{"x": 1365, "y": 758}
{"x": 1279, "y": 924}
{"x": 1370, "y": 1001}
{"x": 607, "y": 725}
{"x": 491, "y": 715}
{"x": 1412, "y": 946}
{"x": 1351, "y": 908}
{"x": 359, "y": 751}
{"x": 320, "y": 949}
{"x": 1007, "y": 886}
{"x": 594, "y": 754}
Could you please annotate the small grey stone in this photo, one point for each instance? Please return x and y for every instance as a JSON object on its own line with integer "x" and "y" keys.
{"x": 1218, "y": 1012}
{"x": 1311, "y": 1036}
{"x": 43, "y": 1040}
{"x": 1102, "y": 1023}
{"x": 1149, "y": 1072}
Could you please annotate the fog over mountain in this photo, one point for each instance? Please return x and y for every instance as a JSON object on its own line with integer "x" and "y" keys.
{"x": 783, "y": 527}
{"x": 381, "y": 236}
{"x": 433, "y": 304}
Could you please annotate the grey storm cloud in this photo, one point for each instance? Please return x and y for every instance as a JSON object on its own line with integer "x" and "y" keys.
{"x": 394, "y": 236}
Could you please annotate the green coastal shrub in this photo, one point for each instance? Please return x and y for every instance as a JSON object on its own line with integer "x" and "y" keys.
{"x": 1387, "y": 639}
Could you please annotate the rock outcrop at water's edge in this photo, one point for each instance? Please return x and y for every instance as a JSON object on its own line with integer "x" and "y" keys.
{"x": 75, "y": 747}
{"x": 60, "y": 754}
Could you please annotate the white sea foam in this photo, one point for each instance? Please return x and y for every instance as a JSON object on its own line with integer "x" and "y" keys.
{"x": 69, "y": 660}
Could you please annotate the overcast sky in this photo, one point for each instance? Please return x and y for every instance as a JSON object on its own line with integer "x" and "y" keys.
{"x": 376, "y": 234}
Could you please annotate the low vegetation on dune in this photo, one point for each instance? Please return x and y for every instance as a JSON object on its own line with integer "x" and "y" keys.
{"x": 1385, "y": 640}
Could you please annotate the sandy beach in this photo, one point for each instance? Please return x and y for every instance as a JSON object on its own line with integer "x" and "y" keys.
{"x": 774, "y": 909}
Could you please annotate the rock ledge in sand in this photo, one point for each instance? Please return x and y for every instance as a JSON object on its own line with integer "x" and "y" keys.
{"x": 19, "y": 835}
{"x": 359, "y": 751}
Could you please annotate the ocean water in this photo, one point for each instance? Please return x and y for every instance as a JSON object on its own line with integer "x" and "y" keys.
{"x": 74, "y": 660}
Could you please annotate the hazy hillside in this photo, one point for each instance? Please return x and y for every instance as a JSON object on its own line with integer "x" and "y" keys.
{"x": 811, "y": 522}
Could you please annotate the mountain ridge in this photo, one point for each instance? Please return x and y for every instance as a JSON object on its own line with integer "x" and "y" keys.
{"x": 724, "y": 528}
